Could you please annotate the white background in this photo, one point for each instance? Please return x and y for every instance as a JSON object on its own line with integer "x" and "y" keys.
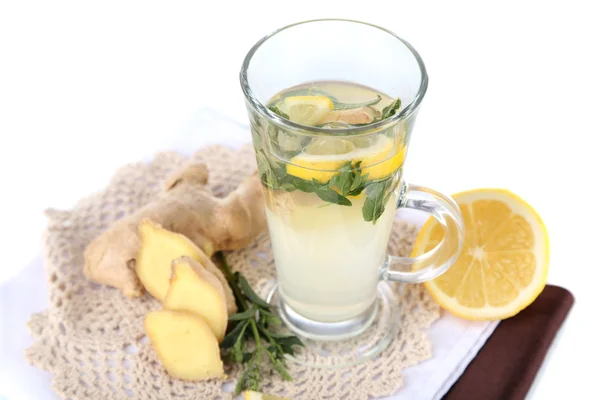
{"x": 513, "y": 102}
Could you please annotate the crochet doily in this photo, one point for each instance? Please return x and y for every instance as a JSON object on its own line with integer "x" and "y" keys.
{"x": 91, "y": 338}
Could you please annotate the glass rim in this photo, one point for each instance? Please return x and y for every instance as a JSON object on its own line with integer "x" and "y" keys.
{"x": 312, "y": 130}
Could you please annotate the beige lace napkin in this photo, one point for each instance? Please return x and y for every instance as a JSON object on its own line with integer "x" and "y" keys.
{"x": 91, "y": 338}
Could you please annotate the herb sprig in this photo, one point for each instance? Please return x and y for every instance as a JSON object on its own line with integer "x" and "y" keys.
{"x": 348, "y": 181}
{"x": 253, "y": 325}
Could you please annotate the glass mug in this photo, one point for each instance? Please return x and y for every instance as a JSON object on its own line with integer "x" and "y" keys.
{"x": 330, "y": 257}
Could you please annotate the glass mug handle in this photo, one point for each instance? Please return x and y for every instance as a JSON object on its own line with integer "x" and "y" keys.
{"x": 436, "y": 261}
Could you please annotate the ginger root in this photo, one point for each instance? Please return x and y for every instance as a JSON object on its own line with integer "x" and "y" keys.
{"x": 185, "y": 207}
{"x": 184, "y": 344}
{"x": 196, "y": 290}
{"x": 158, "y": 248}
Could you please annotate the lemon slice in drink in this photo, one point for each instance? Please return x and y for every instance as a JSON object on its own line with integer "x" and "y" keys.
{"x": 321, "y": 159}
{"x": 307, "y": 110}
{"x": 251, "y": 395}
{"x": 504, "y": 262}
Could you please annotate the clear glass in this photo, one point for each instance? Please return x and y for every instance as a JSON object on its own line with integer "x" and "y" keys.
{"x": 330, "y": 256}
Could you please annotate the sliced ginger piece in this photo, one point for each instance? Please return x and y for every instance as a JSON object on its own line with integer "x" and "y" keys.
{"x": 158, "y": 248}
{"x": 196, "y": 290}
{"x": 184, "y": 344}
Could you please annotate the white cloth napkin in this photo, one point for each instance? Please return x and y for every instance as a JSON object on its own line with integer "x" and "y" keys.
{"x": 454, "y": 341}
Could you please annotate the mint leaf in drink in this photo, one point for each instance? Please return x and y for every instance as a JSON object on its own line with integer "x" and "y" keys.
{"x": 376, "y": 199}
{"x": 329, "y": 195}
{"x": 332, "y": 196}
{"x": 287, "y": 186}
{"x": 267, "y": 174}
{"x": 277, "y": 111}
{"x": 390, "y": 109}
{"x": 359, "y": 184}
{"x": 343, "y": 179}
{"x": 303, "y": 185}
{"x": 349, "y": 181}
{"x": 272, "y": 173}
{"x": 359, "y": 181}
{"x": 278, "y": 169}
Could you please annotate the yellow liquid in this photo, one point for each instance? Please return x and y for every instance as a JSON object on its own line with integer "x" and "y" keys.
{"x": 327, "y": 256}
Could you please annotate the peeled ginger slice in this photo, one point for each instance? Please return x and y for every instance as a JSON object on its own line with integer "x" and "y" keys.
{"x": 184, "y": 344}
{"x": 158, "y": 248}
{"x": 196, "y": 290}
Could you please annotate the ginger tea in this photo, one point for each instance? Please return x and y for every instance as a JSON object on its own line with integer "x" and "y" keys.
{"x": 330, "y": 197}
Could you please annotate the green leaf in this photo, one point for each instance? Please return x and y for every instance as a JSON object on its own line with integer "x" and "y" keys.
{"x": 376, "y": 199}
{"x": 359, "y": 181}
{"x": 277, "y": 168}
{"x": 249, "y": 313}
{"x": 390, "y": 110}
{"x": 277, "y": 111}
{"x": 249, "y": 293}
{"x": 263, "y": 164}
{"x": 238, "y": 353}
{"x": 288, "y": 187}
{"x": 270, "y": 172}
{"x": 303, "y": 185}
{"x": 230, "y": 339}
{"x": 250, "y": 378}
{"x": 272, "y": 349}
{"x": 346, "y": 106}
{"x": 349, "y": 181}
{"x": 287, "y": 344}
{"x": 287, "y": 349}
{"x": 343, "y": 179}
{"x": 289, "y": 341}
{"x": 269, "y": 318}
{"x": 329, "y": 195}
{"x": 264, "y": 169}
{"x": 358, "y": 184}
{"x": 280, "y": 368}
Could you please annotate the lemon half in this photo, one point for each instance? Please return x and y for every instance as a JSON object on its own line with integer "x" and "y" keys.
{"x": 504, "y": 262}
